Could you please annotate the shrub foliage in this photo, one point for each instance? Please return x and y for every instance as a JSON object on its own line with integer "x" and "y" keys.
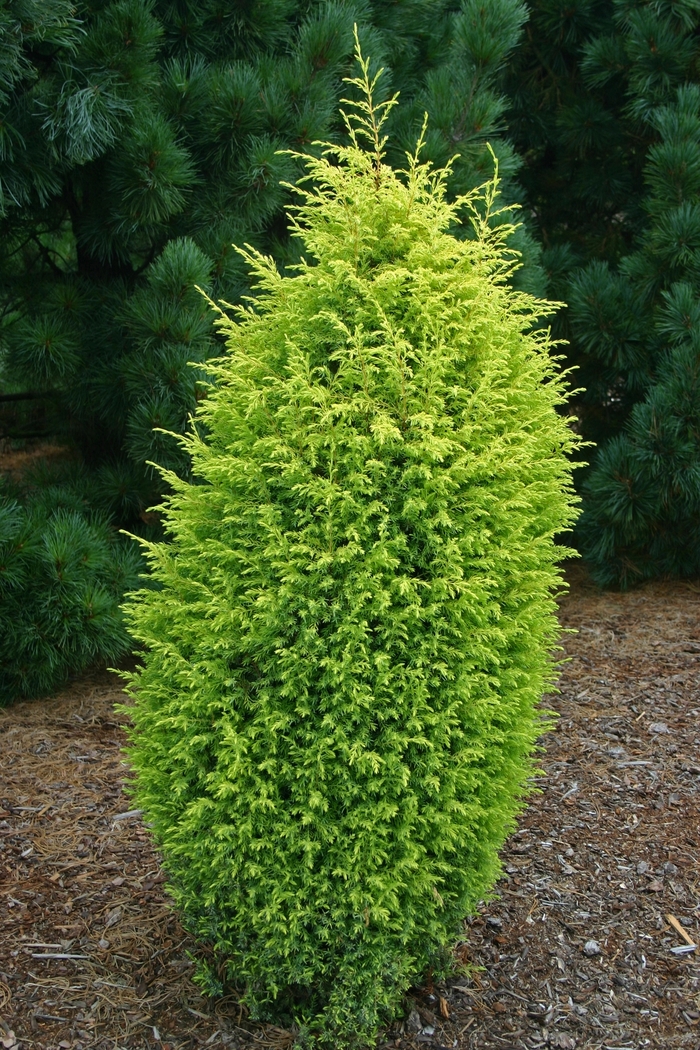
{"x": 342, "y": 661}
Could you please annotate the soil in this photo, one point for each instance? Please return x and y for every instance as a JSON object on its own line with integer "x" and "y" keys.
{"x": 586, "y": 943}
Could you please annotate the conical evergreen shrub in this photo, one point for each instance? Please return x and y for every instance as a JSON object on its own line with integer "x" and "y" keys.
{"x": 352, "y": 624}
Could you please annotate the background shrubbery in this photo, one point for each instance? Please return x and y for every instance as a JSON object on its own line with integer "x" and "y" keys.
{"x": 63, "y": 572}
{"x": 605, "y": 111}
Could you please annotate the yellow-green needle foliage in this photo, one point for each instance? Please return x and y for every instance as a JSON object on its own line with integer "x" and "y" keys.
{"x": 351, "y": 627}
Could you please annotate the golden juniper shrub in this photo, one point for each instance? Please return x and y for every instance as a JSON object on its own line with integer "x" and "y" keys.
{"x": 354, "y": 617}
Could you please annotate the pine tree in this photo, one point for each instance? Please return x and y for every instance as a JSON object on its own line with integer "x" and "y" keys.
{"x": 349, "y": 633}
{"x": 604, "y": 94}
{"x": 643, "y": 496}
{"x": 140, "y": 140}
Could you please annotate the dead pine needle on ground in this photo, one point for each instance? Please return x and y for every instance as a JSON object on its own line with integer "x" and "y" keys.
{"x": 586, "y": 947}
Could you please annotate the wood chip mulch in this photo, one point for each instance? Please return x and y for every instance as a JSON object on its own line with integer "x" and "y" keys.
{"x": 586, "y": 945}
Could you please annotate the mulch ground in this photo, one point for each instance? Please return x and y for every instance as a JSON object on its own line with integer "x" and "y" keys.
{"x": 586, "y": 945}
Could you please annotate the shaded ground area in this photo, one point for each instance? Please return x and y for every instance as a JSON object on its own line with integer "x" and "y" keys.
{"x": 16, "y": 461}
{"x": 584, "y": 947}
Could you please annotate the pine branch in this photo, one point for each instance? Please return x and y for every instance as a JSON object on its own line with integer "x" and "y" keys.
{"x": 46, "y": 256}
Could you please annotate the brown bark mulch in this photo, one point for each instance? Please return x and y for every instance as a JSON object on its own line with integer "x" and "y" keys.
{"x": 586, "y": 944}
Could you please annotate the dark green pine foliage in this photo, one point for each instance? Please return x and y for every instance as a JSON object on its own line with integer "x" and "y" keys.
{"x": 139, "y": 140}
{"x": 583, "y": 182}
{"x": 642, "y": 498}
{"x": 351, "y": 630}
{"x": 62, "y": 573}
{"x": 607, "y": 103}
